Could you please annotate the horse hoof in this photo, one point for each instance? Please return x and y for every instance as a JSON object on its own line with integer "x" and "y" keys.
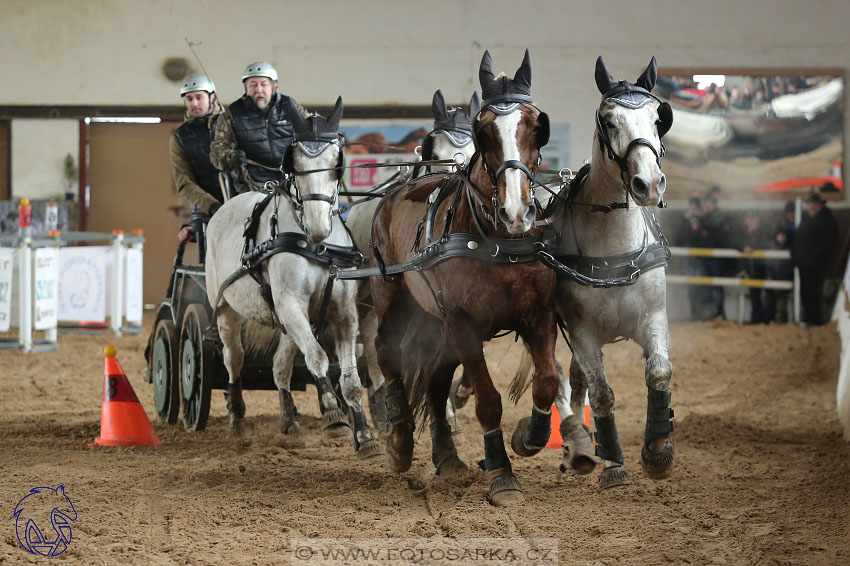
{"x": 335, "y": 426}
{"x": 657, "y": 466}
{"x": 517, "y": 443}
{"x": 457, "y": 397}
{"x": 452, "y": 466}
{"x": 370, "y": 449}
{"x": 505, "y": 490}
{"x": 237, "y": 425}
{"x": 615, "y": 476}
{"x": 400, "y": 448}
{"x": 579, "y": 455}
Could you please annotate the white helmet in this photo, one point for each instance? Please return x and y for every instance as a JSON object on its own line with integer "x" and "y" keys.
{"x": 197, "y": 82}
{"x": 260, "y": 69}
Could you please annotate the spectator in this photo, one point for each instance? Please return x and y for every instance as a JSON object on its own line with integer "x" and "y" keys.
{"x": 813, "y": 244}
{"x": 690, "y": 234}
{"x": 755, "y": 238}
{"x": 776, "y": 300}
{"x": 714, "y": 233}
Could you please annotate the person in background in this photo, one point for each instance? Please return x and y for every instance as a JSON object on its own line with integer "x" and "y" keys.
{"x": 690, "y": 236}
{"x": 776, "y": 300}
{"x": 714, "y": 233}
{"x": 194, "y": 175}
{"x": 755, "y": 238}
{"x": 813, "y": 244}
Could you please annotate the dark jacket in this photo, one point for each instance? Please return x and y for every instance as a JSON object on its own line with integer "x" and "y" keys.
{"x": 194, "y": 176}
{"x": 815, "y": 239}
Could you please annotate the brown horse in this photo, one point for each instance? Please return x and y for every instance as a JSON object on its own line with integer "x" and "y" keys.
{"x": 467, "y": 299}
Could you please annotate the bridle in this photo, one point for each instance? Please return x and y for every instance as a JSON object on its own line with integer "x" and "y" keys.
{"x": 313, "y": 145}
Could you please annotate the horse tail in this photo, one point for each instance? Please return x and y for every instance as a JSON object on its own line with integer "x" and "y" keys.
{"x": 522, "y": 378}
{"x": 422, "y": 348}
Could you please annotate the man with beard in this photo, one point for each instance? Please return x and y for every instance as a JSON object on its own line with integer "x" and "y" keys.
{"x": 255, "y": 130}
{"x": 194, "y": 176}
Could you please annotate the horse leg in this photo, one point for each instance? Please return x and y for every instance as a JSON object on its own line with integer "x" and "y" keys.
{"x": 229, "y": 324}
{"x": 343, "y": 318}
{"x": 656, "y": 455}
{"x": 579, "y": 453}
{"x": 443, "y": 451}
{"x": 282, "y": 369}
{"x": 504, "y": 485}
{"x": 292, "y": 310}
{"x": 377, "y": 390}
{"x": 588, "y": 357}
{"x": 532, "y": 433}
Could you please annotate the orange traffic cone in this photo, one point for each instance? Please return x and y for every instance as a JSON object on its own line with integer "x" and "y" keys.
{"x": 123, "y": 421}
{"x": 555, "y": 439}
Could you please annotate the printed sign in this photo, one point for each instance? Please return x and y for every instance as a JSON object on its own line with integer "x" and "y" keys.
{"x": 7, "y": 268}
{"x": 45, "y": 261}
{"x": 133, "y": 285}
{"x": 43, "y": 521}
{"x": 82, "y": 283}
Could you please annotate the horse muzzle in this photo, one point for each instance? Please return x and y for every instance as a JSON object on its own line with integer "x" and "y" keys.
{"x": 520, "y": 222}
{"x": 648, "y": 190}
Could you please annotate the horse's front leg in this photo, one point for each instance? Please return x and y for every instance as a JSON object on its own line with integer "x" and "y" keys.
{"x": 343, "y": 323}
{"x": 656, "y": 456}
{"x": 282, "y": 369}
{"x": 579, "y": 455}
{"x": 532, "y": 433}
{"x": 229, "y": 324}
{"x": 292, "y": 311}
{"x": 377, "y": 390}
{"x": 504, "y": 485}
{"x": 587, "y": 360}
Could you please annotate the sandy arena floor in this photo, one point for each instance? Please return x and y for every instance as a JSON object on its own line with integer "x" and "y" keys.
{"x": 762, "y": 473}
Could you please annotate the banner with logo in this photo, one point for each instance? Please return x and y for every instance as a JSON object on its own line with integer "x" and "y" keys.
{"x": 82, "y": 283}
{"x": 7, "y": 268}
{"x": 45, "y": 273}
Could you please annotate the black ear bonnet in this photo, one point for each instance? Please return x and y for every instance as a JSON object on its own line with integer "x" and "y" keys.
{"x": 504, "y": 95}
{"x": 634, "y": 95}
{"x": 454, "y": 123}
{"x": 313, "y": 135}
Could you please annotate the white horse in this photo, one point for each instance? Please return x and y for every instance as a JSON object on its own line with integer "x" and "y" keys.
{"x": 450, "y": 135}
{"x": 297, "y": 284}
{"x": 613, "y": 256}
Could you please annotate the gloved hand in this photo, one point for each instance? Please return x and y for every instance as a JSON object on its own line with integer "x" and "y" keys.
{"x": 237, "y": 159}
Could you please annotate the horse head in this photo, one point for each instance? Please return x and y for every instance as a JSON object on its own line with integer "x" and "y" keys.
{"x": 315, "y": 162}
{"x": 630, "y": 124}
{"x": 452, "y": 131}
{"x": 508, "y": 134}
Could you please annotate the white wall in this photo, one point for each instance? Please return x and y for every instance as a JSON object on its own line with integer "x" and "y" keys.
{"x": 399, "y": 52}
{"x": 39, "y": 148}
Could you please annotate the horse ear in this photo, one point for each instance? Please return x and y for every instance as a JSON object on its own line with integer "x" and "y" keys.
{"x": 604, "y": 80}
{"x": 523, "y": 74}
{"x": 438, "y": 107}
{"x": 485, "y": 70}
{"x": 474, "y": 106}
{"x": 647, "y": 79}
{"x": 332, "y": 122}
{"x": 299, "y": 124}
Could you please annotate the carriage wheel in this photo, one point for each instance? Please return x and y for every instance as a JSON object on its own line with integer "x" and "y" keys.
{"x": 165, "y": 372}
{"x": 196, "y": 359}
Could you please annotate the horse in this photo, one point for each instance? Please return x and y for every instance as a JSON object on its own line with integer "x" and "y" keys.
{"x": 294, "y": 289}
{"x": 612, "y": 262}
{"x": 450, "y": 135}
{"x": 480, "y": 277}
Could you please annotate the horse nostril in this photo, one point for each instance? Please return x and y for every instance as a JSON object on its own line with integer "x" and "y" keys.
{"x": 503, "y": 216}
{"x": 662, "y": 184}
{"x": 640, "y": 187}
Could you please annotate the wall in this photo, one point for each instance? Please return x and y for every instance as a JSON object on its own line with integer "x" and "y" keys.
{"x": 39, "y": 148}
{"x": 391, "y": 52}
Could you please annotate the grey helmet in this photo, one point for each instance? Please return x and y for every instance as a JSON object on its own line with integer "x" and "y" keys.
{"x": 197, "y": 82}
{"x": 260, "y": 69}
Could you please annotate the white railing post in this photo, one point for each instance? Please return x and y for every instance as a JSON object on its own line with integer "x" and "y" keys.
{"x": 117, "y": 304}
{"x": 25, "y": 290}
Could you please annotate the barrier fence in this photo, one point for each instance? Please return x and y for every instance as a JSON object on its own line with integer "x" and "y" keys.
{"x": 47, "y": 284}
{"x": 739, "y": 282}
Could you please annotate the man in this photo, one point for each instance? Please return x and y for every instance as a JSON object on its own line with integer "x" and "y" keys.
{"x": 194, "y": 176}
{"x": 714, "y": 233}
{"x": 755, "y": 237}
{"x": 813, "y": 243}
{"x": 256, "y": 129}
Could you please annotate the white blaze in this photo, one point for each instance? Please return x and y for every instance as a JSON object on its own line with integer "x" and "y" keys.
{"x": 507, "y": 127}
